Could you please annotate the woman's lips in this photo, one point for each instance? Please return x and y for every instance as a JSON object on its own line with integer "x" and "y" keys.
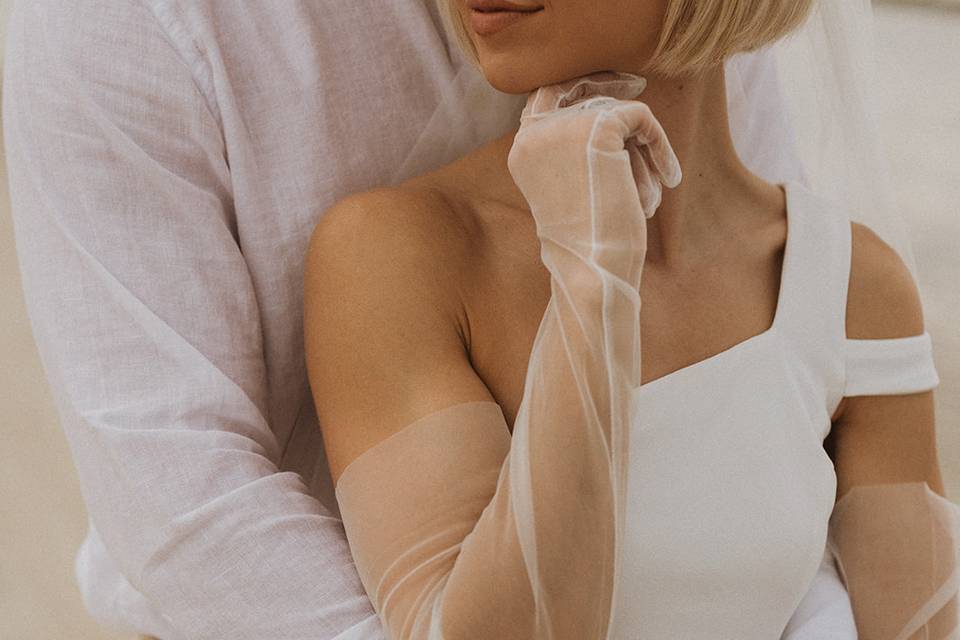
{"x": 486, "y": 23}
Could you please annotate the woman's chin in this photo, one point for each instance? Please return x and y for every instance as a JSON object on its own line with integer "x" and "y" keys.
{"x": 511, "y": 80}
{"x": 518, "y": 76}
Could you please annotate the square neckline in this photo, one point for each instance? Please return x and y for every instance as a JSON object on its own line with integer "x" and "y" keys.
{"x": 788, "y": 187}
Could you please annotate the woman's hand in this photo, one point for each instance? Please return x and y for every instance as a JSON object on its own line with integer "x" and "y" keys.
{"x": 590, "y": 161}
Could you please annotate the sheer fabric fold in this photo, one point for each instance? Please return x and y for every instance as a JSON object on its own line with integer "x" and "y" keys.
{"x": 462, "y": 530}
{"x": 898, "y": 551}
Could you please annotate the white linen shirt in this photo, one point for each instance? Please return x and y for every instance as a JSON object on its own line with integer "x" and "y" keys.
{"x": 168, "y": 161}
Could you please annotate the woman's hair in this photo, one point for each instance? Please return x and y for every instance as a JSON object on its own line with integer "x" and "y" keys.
{"x": 696, "y": 34}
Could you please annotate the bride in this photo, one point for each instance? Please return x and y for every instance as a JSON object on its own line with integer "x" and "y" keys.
{"x": 560, "y": 401}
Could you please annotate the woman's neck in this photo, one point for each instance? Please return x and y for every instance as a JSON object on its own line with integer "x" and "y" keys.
{"x": 717, "y": 190}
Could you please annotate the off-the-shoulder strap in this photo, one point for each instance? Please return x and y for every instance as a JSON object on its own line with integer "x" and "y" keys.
{"x": 814, "y": 294}
{"x": 889, "y": 366}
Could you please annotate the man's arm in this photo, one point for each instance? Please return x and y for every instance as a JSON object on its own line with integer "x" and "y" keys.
{"x": 148, "y": 328}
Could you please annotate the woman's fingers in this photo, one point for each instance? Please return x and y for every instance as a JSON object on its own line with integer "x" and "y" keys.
{"x": 645, "y": 130}
{"x": 648, "y": 186}
{"x": 615, "y": 84}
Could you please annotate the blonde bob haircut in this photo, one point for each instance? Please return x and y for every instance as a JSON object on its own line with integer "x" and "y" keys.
{"x": 696, "y": 34}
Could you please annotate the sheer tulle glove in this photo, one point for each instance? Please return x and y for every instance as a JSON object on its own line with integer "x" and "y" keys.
{"x": 590, "y": 160}
{"x": 898, "y": 550}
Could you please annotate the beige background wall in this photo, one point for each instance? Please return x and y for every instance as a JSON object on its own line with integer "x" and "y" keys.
{"x": 41, "y": 515}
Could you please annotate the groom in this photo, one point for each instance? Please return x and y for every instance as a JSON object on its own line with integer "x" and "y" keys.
{"x": 168, "y": 161}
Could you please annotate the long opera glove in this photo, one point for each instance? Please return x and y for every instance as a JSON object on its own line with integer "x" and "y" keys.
{"x": 460, "y": 530}
{"x": 898, "y": 551}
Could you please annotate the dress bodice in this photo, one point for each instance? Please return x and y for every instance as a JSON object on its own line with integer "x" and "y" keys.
{"x": 730, "y": 490}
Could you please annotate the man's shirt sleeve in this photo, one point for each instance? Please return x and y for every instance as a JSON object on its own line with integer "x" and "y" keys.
{"x": 148, "y": 328}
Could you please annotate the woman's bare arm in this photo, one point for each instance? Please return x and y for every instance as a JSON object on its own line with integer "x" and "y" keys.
{"x": 895, "y": 539}
{"x": 883, "y": 438}
{"x": 384, "y": 323}
{"x": 460, "y": 529}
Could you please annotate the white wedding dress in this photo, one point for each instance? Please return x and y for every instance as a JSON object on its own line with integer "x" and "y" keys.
{"x": 730, "y": 490}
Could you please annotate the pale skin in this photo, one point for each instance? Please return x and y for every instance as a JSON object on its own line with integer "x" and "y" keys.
{"x": 430, "y": 294}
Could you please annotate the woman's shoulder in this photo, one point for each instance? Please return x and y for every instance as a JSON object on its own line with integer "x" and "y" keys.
{"x": 407, "y": 236}
{"x": 385, "y": 329}
{"x": 883, "y": 300}
{"x": 407, "y": 219}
